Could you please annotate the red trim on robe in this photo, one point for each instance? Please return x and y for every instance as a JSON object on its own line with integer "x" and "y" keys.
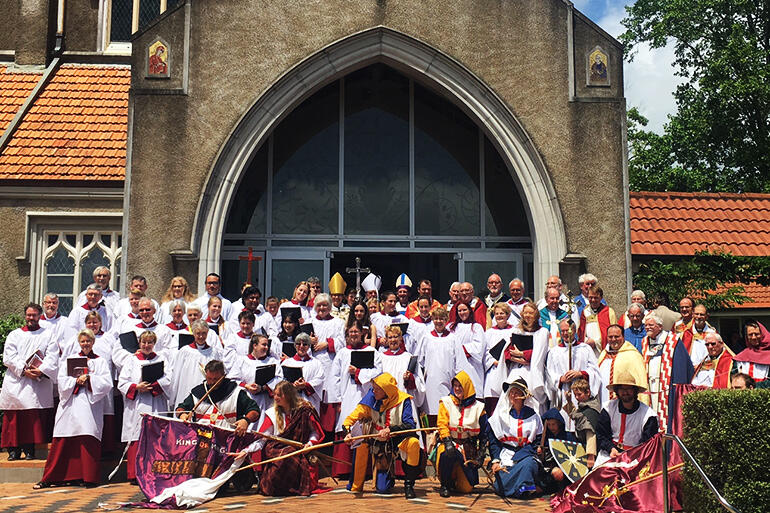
{"x": 73, "y": 458}
{"x": 25, "y": 427}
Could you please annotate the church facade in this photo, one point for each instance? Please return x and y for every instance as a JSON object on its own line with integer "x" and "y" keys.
{"x": 443, "y": 141}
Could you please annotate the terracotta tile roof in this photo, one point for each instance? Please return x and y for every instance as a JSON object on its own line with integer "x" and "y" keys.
{"x": 681, "y": 223}
{"x": 759, "y": 294}
{"x": 14, "y": 89}
{"x": 76, "y": 130}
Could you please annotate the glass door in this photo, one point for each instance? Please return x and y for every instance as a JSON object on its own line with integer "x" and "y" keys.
{"x": 286, "y": 268}
{"x": 475, "y": 267}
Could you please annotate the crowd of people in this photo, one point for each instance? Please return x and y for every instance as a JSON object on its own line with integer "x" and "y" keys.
{"x": 496, "y": 376}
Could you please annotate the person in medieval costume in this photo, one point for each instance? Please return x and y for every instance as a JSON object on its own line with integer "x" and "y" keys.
{"x": 619, "y": 355}
{"x": 595, "y": 318}
{"x": 462, "y": 422}
{"x": 396, "y": 361}
{"x": 754, "y": 361}
{"x": 387, "y": 410}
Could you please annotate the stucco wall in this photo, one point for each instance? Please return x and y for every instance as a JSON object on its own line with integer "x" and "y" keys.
{"x": 238, "y": 49}
{"x": 10, "y": 11}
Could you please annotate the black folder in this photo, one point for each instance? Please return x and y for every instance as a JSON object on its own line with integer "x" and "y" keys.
{"x": 129, "y": 341}
{"x": 294, "y": 311}
{"x": 497, "y": 351}
{"x": 77, "y": 366}
{"x": 362, "y": 359}
{"x": 214, "y": 328}
{"x": 263, "y": 375}
{"x": 403, "y": 325}
{"x": 412, "y": 367}
{"x": 292, "y": 374}
{"x": 289, "y": 349}
{"x": 522, "y": 342}
{"x": 152, "y": 372}
{"x": 185, "y": 339}
{"x": 306, "y": 328}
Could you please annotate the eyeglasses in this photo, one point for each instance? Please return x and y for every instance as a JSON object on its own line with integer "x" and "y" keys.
{"x": 712, "y": 344}
{"x": 145, "y": 309}
{"x": 212, "y": 283}
{"x": 298, "y": 344}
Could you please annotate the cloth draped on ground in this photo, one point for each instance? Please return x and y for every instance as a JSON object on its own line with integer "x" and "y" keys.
{"x": 183, "y": 464}
{"x": 292, "y": 476}
{"x": 620, "y": 485}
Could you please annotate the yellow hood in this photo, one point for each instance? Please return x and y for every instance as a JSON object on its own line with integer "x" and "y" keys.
{"x": 466, "y": 383}
{"x": 394, "y": 395}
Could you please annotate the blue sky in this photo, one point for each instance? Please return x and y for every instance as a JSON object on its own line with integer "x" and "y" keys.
{"x": 649, "y": 79}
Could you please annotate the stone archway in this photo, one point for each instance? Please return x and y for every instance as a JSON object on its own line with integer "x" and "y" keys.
{"x": 416, "y": 59}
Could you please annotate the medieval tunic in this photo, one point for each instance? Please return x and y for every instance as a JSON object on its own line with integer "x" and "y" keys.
{"x": 440, "y": 354}
{"x": 758, "y": 371}
{"x": 314, "y": 376}
{"x": 558, "y": 364}
{"x": 243, "y": 372}
{"x": 627, "y": 358}
{"x": 224, "y": 406}
{"x": 76, "y": 448}
{"x": 594, "y": 324}
{"x": 492, "y": 383}
{"x": 714, "y": 372}
{"x": 290, "y": 476}
{"x": 461, "y": 422}
{"x": 188, "y": 370}
{"x": 135, "y": 404}
{"x": 511, "y": 435}
{"x": 624, "y": 428}
{"x": 396, "y": 363}
{"x": 27, "y": 402}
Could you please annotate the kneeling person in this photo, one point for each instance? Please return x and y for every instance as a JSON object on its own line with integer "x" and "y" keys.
{"x": 389, "y": 411}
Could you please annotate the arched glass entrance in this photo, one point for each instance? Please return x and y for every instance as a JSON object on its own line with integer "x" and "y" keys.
{"x": 376, "y": 165}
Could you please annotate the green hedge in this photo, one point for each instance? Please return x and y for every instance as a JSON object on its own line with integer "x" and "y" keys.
{"x": 728, "y": 433}
{"x": 7, "y": 325}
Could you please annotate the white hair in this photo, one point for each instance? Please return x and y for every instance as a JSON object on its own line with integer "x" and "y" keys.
{"x": 654, "y": 317}
{"x": 635, "y": 306}
{"x": 96, "y": 287}
{"x": 454, "y": 283}
{"x": 638, "y": 293}
{"x": 323, "y": 297}
{"x": 587, "y": 277}
{"x": 715, "y": 335}
{"x": 516, "y": 279}
{"x": 102, "y": 268}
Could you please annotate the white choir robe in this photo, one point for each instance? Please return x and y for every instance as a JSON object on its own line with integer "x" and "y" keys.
{"x": 698, "y": 352}
{"x": 82, "y": 413}
{"x": 104, "y": 346}
{"x": 60, "y": 325}
{"x": 444, "y": 358}
{"x": 131, "y": 374}
{"x": 758, "y": 371}
{"x": 187, "y": 371}
{"x": 331, "y": 330}
{"x": 245, "y": 373}
{"x": 557, "y": 364}
{"x": 263, "y": 321}
{"x": 396, "y": 364}
{"x": 236, "y": 348}
{"x": 174, "y": 331}
{"x": 164, "y": 314}
{"x": 276, "y": 345}
{"x": 110, "y": 297}
{"x": 203, "y": 303}
{"x": 164, "y": 340}
{"x": 515, "y": 318}
{"x": 382, "y": 321}
{"x": 533, "y": 373}
{"x": 123, "y": 308}
{"x": 472, "y": 338}
{"x": 314, "y": 375}
{"x": 22, "y": 393}
{"x": 349, "y": 391}
{"x": 415, "y": 334}
{"x": 78, "y": 314}
{"x": 237, "y": 307}
{"x": 306, "y": 313}
{"x": 492, "y": 383}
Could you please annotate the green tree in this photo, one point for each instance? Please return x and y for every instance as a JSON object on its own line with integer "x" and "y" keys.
{"x": 713, "y": 278}
{"x": 719, "y": 138}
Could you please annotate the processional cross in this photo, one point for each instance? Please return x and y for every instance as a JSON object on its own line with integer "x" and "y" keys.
{"x": 358, "y": 270}
{"x": 249, "y": 259}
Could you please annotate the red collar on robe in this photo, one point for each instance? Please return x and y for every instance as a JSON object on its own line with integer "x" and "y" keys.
{"x": 44, "y": 318}
{"x": 327, "y": 318}
{"x": 305, "y": 359}
{"x": 401, "y": 350}
{"x": 88, "y": 307}
{"x": 90, "y": 355}
{"x": 444, "y": 333}
{"x": 195, "y": 346}
{"x": 295, "y": 302}
{"x": 99, "y": 333}
{"x": 722, "y": 365}
{"x": 209, "y": 320}
{"x": 145, "y": 325}
{"x": 141, "y": 356}
{"x": 243, "y": 335}
{"x": 688, "y": 335}
{"x": 507, "y": 326}
{"x": 131, "y": 315}
{"x": 356, "y": 348}
{"x": 427, "y": 320}
{"x": 176, "y": 327}
{"x": 521, "y": 301}
{"x": 25, "y": 328}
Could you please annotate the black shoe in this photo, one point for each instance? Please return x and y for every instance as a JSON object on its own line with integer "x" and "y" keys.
{"x": 29, "y": 452}
{"x": 409, "y": 490}
{"x": 444, "y": 491}
{"x": 133, "y": 482}
{"x": 14, "y": 453}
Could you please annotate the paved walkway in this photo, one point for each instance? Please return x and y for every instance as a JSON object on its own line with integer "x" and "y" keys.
{"x": 21, "y": 498}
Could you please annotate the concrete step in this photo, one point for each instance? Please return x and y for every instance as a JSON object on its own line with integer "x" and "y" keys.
{"x": 31, "y": 471}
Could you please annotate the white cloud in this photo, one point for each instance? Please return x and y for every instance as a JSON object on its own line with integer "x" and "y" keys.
{"x": 649, "y": 80}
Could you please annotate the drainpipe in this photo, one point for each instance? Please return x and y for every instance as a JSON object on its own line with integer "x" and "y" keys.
{"x": 48, "y": 74}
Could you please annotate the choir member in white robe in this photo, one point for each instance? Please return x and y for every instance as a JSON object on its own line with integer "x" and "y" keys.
{"x": 125, "y": 322}
{"x": 213, "y": 288}
{"x": 560, "y": 372}
{"x": 328, "y": 337}
{"x": 27, "y": 394}
{"x": 147, "y": 322}
{"x": 441, "y": 359}
{"x": 387, "y": 316}
{"x": 299, "y": 300}
{"x": 360, "y": 312}
{"x": 350, "y": 384}
{"x": 237, "y": 342}
{"x": 76, "y": 448}
{"x": 529, "y": 364}
{"x": 272, "y": 309}
{"x": 311, "y": 384}
{"x": 95, "y": 303}
{"x": 137, "y": 287}
{"x": 51, "y": 319}
{"x": 395, "y": 361}
{"x": 249, "y": 302}
{"x": 190, "y": 360}
{"x": 471, "y": 335}
{"x": 110, "y": 297}
{"x": 245, "y": 368}
{"x": 177, "y": 325}
{"x": 216, "y": 319}
{"x": 178, "y": 290}
{"x": 500, "y": 330}
{"x": 141, "y": 397}
{"x": 288, "y": 332}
